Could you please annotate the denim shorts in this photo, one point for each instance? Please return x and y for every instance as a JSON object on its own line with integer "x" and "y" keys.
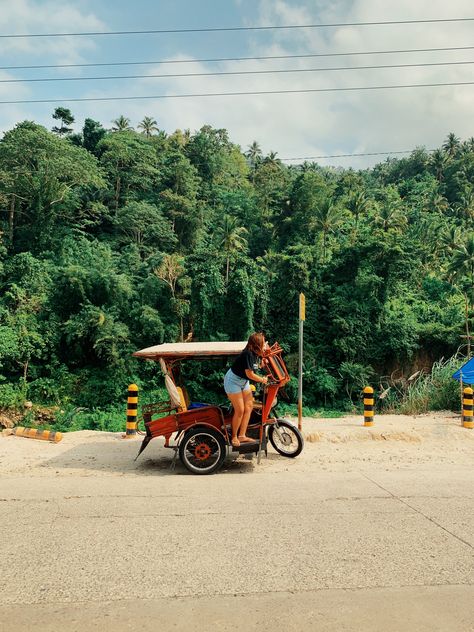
{"x": 235, "y": 384}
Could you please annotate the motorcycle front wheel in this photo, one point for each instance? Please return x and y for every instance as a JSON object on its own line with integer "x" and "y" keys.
{"x": 286, "y": 438}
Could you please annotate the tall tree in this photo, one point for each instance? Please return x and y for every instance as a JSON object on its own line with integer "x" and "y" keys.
{"x": 148, "y": 125}
{"x": 92, "y": 134}
{"x": 326, "y": 218}
{"x": 144, "y": 225}
{"x": 46, "y": 174}
{"x": 66, "y": 118}
{"x": 129, "y": 162}
{"x": 359, "y": 205}
{"x": 121, "y": 124}
{"x": 231, "y": 239}
{"x": 452, "y": 145}
{"x": 272, "y": 159}
{"x": 254, "y": 155}
{"x": 172, "y": 272}
{"x": 461, "y": 273}
{"x": 439, "y": 161}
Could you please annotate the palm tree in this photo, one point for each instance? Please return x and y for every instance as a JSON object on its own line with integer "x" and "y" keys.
{"x": 390, "y": 217}
{"x": 272, "y": 159}
{"x": 254, "y": 154}
{"x": 452, "y": 145}
{"x": 461, "y": 266}
{"x": 325, "y": 219}
{"x": 358, "y": 204}
{"x": 438, "y": 203}
{"x": 121, "y": 124}
{"x": 449, "y": 236}
{"x": 438, "y": 161}
{"x": 469, "y": 144}
{"x": 466, "y": 205}
{"x": 148, "y": 125}
{"x": 231, "y": 239}
{"x": 268, "y": 264}
{"x": 307, "y": 166}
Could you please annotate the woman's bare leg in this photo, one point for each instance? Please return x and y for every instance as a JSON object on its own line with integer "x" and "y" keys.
{"x": 248, "y": 407}
{"x": 237, "y": 400}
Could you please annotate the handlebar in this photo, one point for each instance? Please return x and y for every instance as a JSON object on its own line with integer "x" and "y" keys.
{"x": 270, "y": 383}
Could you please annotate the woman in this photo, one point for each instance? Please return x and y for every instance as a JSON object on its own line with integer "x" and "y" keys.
{"x": 237, "y": 386}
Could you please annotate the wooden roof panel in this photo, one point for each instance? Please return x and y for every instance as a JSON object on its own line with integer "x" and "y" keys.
{"x": 191, "y": 349}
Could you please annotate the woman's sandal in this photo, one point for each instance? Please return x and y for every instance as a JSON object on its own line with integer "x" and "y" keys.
{"x": 246, "y": 440}
{"x": 235, "y": 443}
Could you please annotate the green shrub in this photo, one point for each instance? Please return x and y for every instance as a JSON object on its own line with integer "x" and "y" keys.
{"x": 354, "y": 377}
{"x": 12, "y": 395}
{"x": 72, "y": 418}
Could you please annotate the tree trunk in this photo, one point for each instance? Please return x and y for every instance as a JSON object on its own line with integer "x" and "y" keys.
{"x": 117, "y": 192}
{"x": 227, "y": 270}
{"x": 11, "y": 219}
{"x": 25, "y": 371}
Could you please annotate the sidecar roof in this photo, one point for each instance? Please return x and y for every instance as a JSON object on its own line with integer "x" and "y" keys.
{"x": 178, "y": 350}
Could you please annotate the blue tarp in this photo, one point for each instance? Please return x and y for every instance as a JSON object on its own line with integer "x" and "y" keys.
{"x": 467, "y": 371}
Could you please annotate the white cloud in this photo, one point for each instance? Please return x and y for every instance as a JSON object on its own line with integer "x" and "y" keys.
{"x": 319, "y": 123}
{"x": 50, "y": 16}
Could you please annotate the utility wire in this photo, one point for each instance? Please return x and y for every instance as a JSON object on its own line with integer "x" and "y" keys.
{"x": 376, "y": 153}
{"x": 237, "y": 94}
{"x": 237, "y": 72}
{"x": 238, "y": 28}
{"x": 219, "y": 59}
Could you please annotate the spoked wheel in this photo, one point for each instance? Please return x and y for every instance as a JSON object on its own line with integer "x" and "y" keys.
{"x": 286, "y": 438}
{"x": 202, "y": 450}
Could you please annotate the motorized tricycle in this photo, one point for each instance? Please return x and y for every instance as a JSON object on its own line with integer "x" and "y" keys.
{"x": 202, "y": 432}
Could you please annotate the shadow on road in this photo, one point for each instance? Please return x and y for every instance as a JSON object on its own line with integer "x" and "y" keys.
{"x": 116, "y": 456}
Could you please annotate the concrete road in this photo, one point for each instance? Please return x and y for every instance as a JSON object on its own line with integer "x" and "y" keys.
{"x": 363, "y": 545}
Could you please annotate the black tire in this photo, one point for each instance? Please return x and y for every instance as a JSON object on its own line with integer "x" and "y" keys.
{"x": 202, "y": 450}
{"x": 286, "y": 439}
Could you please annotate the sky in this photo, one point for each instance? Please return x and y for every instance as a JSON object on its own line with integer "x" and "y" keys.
{"x": 294, "y": 125}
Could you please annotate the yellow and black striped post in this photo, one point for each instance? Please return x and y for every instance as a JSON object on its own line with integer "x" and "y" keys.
{"x": 369, "y": 406}
{"x": 37, "y": 433}
{"x": 467, "y": 418}
{"x": 132, "y": 411}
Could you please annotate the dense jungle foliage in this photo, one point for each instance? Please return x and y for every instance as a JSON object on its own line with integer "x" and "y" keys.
{"x": 114, "y": 240}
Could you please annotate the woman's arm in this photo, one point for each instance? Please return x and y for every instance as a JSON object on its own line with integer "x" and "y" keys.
{"x": 254, "y": 377}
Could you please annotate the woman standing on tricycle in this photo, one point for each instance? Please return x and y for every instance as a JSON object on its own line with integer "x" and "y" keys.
{"x": 237, "y": 386}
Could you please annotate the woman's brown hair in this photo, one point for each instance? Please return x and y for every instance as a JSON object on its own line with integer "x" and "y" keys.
{"x": 255, "y": 343}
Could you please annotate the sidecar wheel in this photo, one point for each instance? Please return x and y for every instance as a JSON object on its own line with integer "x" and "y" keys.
{"x": 286, "y": 438}
{"x": 202, "y": 450}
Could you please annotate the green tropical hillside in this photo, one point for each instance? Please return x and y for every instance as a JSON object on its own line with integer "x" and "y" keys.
{"x": 113, "y": 240}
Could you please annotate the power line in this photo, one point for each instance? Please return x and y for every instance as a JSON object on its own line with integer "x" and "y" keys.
{"x": 238, "y": 28}
{"x": 220, "y": 59}
{"x": 237, "y": 72}
{"x": 376, "y": 153}
{"x": 237, "y": 94}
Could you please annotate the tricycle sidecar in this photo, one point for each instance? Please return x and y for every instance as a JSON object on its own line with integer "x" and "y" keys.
{"x": 202, "y": 432}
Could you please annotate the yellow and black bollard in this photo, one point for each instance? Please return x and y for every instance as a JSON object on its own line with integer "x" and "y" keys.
{"x": 37, "y": 433}
{"x": 467, "y": 400}
{"x": 132, "y": 411}
{"x": 369, "y": 406}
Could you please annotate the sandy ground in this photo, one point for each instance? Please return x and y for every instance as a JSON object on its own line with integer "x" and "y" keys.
{"x": 393, "y": 441}
{"x": 368, "y": 529}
